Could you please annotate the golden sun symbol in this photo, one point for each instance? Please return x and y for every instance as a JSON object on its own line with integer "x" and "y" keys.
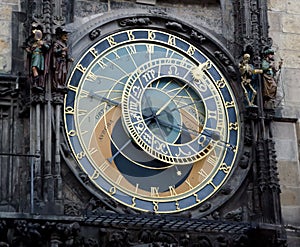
{"x": 198, "y": 72}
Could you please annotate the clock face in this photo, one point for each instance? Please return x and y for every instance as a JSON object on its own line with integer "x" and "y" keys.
{"x": 151, "y": 120}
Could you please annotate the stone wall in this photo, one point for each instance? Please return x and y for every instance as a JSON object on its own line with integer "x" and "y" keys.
{"x": 6, "y": 8}
{"x": 209, "y": 16}
{"x": 284, "y": 18}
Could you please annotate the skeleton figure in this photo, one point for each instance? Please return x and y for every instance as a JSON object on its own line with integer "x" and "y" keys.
{"x": 249, "y": 83}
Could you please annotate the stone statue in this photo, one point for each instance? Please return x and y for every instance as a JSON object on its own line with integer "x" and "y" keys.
{"x": 37, "y": 49}
{"x": 269, "y": 77}
{"x": 249, "y": 80}
{"x": 61, "y": 58}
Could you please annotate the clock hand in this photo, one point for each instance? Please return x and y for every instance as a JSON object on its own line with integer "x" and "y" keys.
{"x": 179, "y": 127}
{"x": 148, "y": 103}
{"x": 119, "y": 151}
{"x": 155, "y": 117}
{"x": 179, "y": 107}
{"x": 110, "y": 160}
{"x": 215, "y": 136}
{"x": 116, "y": 103}
{"x": 146, "y": 120}
{"x": 201, "y": 113}
{"x": 169, "y": 101}
{"x": 160, "y": 129}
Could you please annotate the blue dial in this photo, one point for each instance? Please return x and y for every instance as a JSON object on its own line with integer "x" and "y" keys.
{"x": 151, "y": 120}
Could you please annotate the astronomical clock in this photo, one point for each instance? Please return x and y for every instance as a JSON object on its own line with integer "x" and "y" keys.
{"x": 151, "y": 116}
{"x": 131, "y": 127}
{"x": 128, "y": 125}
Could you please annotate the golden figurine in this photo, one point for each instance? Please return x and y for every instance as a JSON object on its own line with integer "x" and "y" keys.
{"x": 249, "y": 82}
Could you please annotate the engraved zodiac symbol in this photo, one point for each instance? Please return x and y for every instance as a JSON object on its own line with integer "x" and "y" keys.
{"x": 181, "y": 152}
{"x": 149, "y": 75}
{"x": 173, "y": 70}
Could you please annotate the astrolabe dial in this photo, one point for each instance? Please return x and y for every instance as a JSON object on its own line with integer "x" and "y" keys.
{"x": 160, "y": 100}
{"x": 151, "y": 120}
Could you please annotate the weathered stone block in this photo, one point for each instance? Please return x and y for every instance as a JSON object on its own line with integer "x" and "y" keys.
{"x": 5, "y": 11}
{"x": 284, "y": 131}
{"x": 290, "y": 196}
{"x": 290, "y": 23}
{"x": 291, "y": 214}
{"x": 289, "y": 76}
{"x": 11, "y": 2}
{"x": 291, "y": 110}
{"x": 5, "y": 59}
{"x": 285, "y": 141}
{"x": 5, "y": 29}
{"x": 274, "y": 21}
{"x": 290, "y": 41}
{"x": 286, "y": 149}
{"x": 293, "y": 6}
{"x": 291, "y": 57}
{"x": 291, "y": 88}
{"x": 277, "y": 5}
{"x": 289, "y": 174}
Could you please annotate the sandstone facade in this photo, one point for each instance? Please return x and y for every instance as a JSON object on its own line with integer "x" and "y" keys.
{"x": 284, "y": 17}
